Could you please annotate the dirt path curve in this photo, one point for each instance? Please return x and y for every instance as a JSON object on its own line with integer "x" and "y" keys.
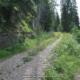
{"x": 15, "y": 69}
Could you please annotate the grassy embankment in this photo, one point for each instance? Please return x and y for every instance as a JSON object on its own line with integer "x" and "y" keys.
{"x": 32, "y": 46}
{"x": 65, "y": 62}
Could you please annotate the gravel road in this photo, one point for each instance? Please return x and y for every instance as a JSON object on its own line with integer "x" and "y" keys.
{"x": 15, "y": 68}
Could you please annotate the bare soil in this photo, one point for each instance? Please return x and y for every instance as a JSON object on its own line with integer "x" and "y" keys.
{"x": 15, "y": 68}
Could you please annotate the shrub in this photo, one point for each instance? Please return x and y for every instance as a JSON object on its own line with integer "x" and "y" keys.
{"x": 76, "y": 34}
{"x": 69, "y": 45}
{"x": 67, "y": 62}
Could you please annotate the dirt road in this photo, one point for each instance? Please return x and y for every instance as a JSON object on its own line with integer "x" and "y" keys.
{"x": 15, "y": 68}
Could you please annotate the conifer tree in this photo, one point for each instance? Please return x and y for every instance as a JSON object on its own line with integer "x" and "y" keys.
{"x": 69, "y": 15}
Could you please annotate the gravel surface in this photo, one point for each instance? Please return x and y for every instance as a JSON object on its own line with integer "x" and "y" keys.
{"x": 15, "y": 68}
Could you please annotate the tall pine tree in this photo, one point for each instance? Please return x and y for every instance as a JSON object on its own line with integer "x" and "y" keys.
{"x": 69, "y": 16}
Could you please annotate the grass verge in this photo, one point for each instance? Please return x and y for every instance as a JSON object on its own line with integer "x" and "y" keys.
{"x": 66, "y": 62}
{"x": 32, "y": 46}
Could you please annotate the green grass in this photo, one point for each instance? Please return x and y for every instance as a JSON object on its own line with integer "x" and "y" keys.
{"x": 66, "y": 61}
{"x": 32, "y": 46}
{"x": 40, "y": 43}
{"x": 76, "y": 33}
{"x": 8, "y": 52}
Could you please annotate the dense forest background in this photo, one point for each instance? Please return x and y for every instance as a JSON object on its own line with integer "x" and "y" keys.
{"x": 19, "y": 19}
